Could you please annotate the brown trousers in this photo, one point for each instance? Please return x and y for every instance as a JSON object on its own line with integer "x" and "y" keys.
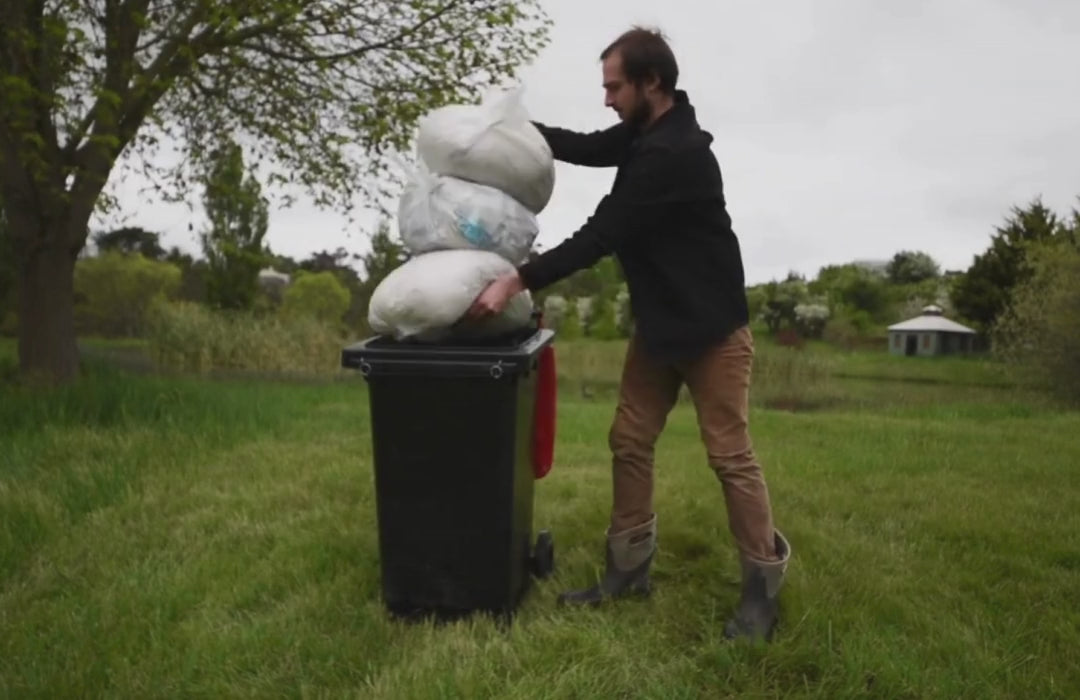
{"x": 719, "y": 384}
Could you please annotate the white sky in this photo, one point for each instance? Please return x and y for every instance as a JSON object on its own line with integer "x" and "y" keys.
{"x": 845, "y": 129}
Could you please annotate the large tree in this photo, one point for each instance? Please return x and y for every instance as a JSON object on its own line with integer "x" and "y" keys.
{"x": 131, "y": 239}
{"x": 1039, "y": 330}
{"x": 911, "y": 267}
{"x": 983, "y": 292}
{"x": 233, "y": 240}
{"x": 7, "y": 273}
{"x": 322, "y": 91}
{"x": 386, "y": 255}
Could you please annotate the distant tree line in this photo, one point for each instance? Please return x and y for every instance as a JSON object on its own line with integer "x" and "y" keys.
{"x": 126, "y": 271}
{"x": 1022, "y": 294}
{"x": 323, "y": 96}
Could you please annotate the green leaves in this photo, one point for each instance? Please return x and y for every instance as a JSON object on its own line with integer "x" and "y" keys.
{"x": 115, "y": 291}
{"x": 1039, "y": 330}
{"x": 233, "y": 243}
{"x": 908, "y": 267}
{"x": 317, "y": 295}
{"x": 982, "y": 294}
{"x": 15, "y": 88}
{"x": 320, "y": 93}
{"x": 323, "y": 91}
{"x": 332, "y": 91}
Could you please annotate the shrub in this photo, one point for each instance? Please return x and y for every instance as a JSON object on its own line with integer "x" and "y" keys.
{"x": 788, "y": 379}
{"x": 570, "y": 328}
{"x": 789, "y": 338}
{"x": 854, "y": 330}
{"x": 317, "y": 295}
{"x": 604, "y": 324}
{"x": 1039, "y": 332}
{"x": 554, "y": 311}
{"x": 810, "y": 319}
{"x": 115, "y": 290}
{"x": 755, "y": 300}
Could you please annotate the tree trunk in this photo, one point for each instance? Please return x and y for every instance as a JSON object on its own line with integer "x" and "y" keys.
{"x": 47, "y": 349}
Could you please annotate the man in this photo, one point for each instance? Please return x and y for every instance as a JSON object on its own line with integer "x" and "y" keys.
{"x": 665, "y": 220}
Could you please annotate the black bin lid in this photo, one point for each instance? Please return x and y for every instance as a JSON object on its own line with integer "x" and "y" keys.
{"x": 505, "y": 355}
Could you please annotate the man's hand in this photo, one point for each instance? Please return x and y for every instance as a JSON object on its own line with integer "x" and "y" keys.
{"x": 496, "y": 296}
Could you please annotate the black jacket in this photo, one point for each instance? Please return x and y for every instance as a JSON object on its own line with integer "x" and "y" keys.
{"x": 666, "y": 221}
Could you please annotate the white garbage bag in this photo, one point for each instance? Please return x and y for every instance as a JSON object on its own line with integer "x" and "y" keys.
{"x": 426, "y": 297}
{"x": 439, "y": 212}
{"x": 493, "y": 144}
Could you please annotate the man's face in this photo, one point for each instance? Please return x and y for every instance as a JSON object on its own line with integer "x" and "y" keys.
{"x": 626, "y": 99}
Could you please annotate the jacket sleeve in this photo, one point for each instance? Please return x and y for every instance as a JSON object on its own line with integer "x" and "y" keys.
{"x": 598, "y": 149}
{"x": 650, "y": 183}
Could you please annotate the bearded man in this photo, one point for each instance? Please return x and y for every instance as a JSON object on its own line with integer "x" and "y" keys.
{"x": 666, "y": 221}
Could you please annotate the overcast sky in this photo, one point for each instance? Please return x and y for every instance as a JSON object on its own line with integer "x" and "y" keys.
{"x": 845, "y": 129}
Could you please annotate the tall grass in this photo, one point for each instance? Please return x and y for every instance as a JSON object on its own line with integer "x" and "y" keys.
{"x": 185, "y": 337}
{"x": 790, "y": 378}
{"x": 781, "y": 377}
{"x": 819, "y": 377}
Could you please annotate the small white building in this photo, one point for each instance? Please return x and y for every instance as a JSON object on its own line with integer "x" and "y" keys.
{"x": 930, "y": 334}
{"x": 273, "y": 283}
{"x": 272, "y": 277}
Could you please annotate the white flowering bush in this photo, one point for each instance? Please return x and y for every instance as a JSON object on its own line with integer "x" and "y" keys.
{"x": 810, "y": 319}
{"x": 585, "y": 309}
{"x": 623, "y": 316}
{"x": 554, "y": 310}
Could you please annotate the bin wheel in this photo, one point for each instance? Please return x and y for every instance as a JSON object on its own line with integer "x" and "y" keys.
{"x": 543, "y": 558}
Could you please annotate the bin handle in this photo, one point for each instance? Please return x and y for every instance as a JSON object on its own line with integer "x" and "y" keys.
{"x": 495, "y": 370}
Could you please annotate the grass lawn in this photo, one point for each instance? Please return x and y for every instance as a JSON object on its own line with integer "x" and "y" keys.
{"x": 172, "y": 537}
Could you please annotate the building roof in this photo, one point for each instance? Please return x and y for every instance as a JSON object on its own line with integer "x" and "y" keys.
{"x": 269, "y": 273}
{"x": 929, "y": 323}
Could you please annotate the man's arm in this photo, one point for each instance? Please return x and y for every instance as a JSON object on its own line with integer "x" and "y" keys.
{"x": 598, "y": 149}
{"x": 651, "y": 182}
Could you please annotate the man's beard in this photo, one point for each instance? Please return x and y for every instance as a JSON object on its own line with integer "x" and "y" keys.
{"x": 640, "y": 114}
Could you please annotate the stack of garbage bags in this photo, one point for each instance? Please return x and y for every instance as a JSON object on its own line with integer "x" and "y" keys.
{"x": 467, "y": 215}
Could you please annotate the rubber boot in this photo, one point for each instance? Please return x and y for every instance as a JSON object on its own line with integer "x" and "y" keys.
{"x": 757, "y": 612}
{"x": 628, "y": 558}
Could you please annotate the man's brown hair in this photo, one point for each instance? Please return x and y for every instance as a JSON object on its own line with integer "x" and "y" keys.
{"x": 645, "y": 53}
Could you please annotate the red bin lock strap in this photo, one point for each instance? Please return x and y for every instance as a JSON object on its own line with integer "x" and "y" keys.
{"x": 544, "y": 421}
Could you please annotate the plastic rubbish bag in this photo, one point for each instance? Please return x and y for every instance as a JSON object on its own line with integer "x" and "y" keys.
{"x": 493, "y": 143}
{"x": 439, "y": 212}
{"x": 426, "y": 298}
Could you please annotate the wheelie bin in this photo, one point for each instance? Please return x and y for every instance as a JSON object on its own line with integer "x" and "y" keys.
{"x": 454, "y": 441}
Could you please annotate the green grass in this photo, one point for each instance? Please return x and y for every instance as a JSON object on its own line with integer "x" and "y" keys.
{"x": 189, "y": 538}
